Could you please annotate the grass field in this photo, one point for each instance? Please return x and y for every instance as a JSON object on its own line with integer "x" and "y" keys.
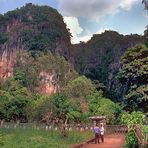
{"x": 31, "y": 138}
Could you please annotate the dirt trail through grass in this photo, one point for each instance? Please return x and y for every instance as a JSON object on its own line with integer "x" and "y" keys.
{"x": 110, "y": 141}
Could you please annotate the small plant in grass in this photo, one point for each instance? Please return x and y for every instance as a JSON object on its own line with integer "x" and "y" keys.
{"x": 1, "y": 139}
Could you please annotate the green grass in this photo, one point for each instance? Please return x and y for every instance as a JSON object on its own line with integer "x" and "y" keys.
{"x": 31, "y": 138}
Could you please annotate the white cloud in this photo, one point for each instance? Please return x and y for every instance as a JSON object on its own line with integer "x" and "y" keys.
{"x": 84, "y": 38}
{"x": 76, "y": 30}
{"x": 87, "y": 37}
{"x": 127, "y": 4}
{"x": 101, "y": 30}
{"x": 93, "y": 9}
{"x": 74, "y": 26}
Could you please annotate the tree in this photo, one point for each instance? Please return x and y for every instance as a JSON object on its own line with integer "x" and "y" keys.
{"x": 65, "y": 109}
{"x": 40, "y": 108}
{"x": 27, "y": 71}
{"x": 145, "y": 2}
{"x": 13, "y": 101}
{"x": 134, "y": 73}
{"x": 131, "y": 120}
{"x": 99, "y": 105}
{"x": 79, "y": 87}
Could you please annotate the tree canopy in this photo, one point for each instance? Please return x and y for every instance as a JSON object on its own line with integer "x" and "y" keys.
{"x": 134, "y": 74}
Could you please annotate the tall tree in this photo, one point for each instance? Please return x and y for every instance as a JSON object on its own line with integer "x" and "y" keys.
{"x": 145, "y": 2}
{"x": 134, "y": 74}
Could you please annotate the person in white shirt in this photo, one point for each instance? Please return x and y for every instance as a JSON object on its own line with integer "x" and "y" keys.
{"x": 102, "y": 133}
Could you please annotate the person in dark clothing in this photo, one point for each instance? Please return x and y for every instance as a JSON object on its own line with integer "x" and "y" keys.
{"x": 97, "y": 133}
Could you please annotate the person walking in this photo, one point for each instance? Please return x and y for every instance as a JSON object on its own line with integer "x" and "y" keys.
{"x": 102, "y": 133}
{"x": 97, "y": 133}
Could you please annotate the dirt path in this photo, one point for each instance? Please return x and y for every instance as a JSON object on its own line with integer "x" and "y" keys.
{"x": 111, "y": 141}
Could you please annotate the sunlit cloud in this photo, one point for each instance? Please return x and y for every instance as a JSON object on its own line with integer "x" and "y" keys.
{"x": 76, "y": 30}
{"x": 93, "y": 9}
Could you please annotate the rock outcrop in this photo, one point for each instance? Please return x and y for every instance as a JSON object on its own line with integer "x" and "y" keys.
{"x": 48, "y": 84}
{"x": 31, "y": 28}
{"x": 100, "y": 59}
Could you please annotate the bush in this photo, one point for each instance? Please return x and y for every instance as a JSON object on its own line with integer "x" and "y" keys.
{"x": 132, "y": 119}
{"x": 99, "y": 105}
{"x": 131, "y": 140}
{"x": 144, "y": 132}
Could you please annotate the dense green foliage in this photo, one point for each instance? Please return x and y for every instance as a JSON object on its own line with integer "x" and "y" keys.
{"x": 66, "y": 109}
{"x": 20, "y": 99}
{"x": 134, "y": 74}
{"x": 28, "y": 71}
{"x": 145, "y": 2}
{"x": 77, "y": 100}
{"x": 99, "y": 105}
{"x": 80, "y": 87}
{"x": 17, "y": 92}
{"x": 99, "y": 59}
{"x": 25, "y": 138}
{"x": 131, "y": 120}
{"x": 96, "y": 66}
{"x": 13, "y": 101}
{"x": 40, "y": 31}
{"x": 37, "y": 28}
{"x": 144, "y": 132}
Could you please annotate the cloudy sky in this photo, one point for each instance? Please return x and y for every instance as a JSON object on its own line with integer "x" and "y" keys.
{"x": 87, "y": 17}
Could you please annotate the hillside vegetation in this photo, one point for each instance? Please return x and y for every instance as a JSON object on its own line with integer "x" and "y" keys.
{"x": 46, "y": 79}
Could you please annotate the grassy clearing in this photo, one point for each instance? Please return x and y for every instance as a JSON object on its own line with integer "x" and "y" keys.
{"x": 31, "y": 138}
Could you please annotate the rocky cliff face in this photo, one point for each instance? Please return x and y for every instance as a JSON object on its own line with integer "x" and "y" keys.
{"x": 99, "y": 59}
{"x": 31, "y": 28}
{"x": 41, "y": 28}
{"x": 48, "y": 84}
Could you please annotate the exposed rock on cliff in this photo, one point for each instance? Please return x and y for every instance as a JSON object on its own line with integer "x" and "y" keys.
{"x": 48, "y": 84}
{"x": 31, "y": 28}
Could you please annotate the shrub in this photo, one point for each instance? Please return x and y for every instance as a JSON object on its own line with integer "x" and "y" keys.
{"x": 132, "y": 119}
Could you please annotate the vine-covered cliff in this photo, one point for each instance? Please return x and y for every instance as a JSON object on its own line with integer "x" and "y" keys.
{"x": 100, "y": 58}
{"x": 33, "y": 28}
{"x": 41, "y": 28}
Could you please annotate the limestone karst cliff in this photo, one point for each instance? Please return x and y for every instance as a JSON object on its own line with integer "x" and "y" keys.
{"x": 100, "y": 59}
{"x": 41, "y": 28}
{"x": 31, "y": 28}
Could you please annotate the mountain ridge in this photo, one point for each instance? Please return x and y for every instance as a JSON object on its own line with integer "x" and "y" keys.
{"x": 41, "y": 28}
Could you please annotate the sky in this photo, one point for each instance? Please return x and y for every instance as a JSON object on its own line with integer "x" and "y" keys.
{"x": 87, "y": 17}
